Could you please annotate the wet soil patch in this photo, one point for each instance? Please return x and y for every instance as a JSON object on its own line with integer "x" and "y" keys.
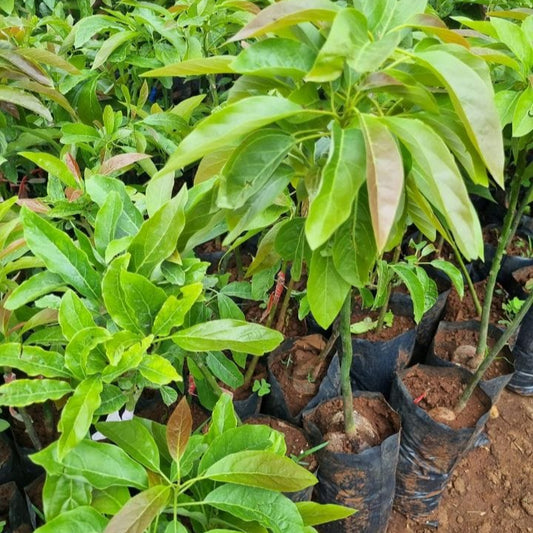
{"x": 438, "y": 393}
{"x": 374, "y": 420}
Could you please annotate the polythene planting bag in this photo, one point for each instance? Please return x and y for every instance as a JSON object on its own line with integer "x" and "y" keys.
{"x": 275, "y": 403}
{"x": 429, "y": 450}
{"x": 491, "y": 386}
{"x": 522, "y": 380}
{"x": 364, "y": 481}
{"x": 249, "y": 406}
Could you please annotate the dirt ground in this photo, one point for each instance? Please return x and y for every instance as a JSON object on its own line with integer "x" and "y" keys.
{"x": 491, "y": 490}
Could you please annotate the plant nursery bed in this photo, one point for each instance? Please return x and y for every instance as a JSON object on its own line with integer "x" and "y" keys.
{"x": 492, "y": 488}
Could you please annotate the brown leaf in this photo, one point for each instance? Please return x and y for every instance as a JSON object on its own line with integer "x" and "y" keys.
{"x": 118, "y": 162}
{"x": 179, "y": 428}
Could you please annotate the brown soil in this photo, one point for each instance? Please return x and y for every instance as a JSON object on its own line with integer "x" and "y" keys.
{"x": 518, "y": 246}
{"x": 374, "y": 420}
{"x": 438, "y": 393}
{"x": 244, "y": 391}
{"x": 459, "y": 347}
{"x": 491, "y": 490}
{"x": 523, "y": 275}
{"x": 400, "y": 324}
{"x": 300, "y": 371}
{"x": 291, "y": 327}
{"x": 47, "y": 433}
{"x": 294, "y": 438}
{"x": 458, "y": 310}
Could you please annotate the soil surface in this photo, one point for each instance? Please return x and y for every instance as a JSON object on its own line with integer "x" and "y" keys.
{"x": 491, "y": 490}
{"x": 400, "y": 324}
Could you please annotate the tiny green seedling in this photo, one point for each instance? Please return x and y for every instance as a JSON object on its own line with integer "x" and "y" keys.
{"x": 299, "y": 459}
{"x": 510, "y": 310}
{"x": 262, "y": 387}
{"x": 367, "y": 324}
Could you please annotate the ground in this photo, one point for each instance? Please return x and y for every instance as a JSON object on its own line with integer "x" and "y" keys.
{"x": 491, "y": 490}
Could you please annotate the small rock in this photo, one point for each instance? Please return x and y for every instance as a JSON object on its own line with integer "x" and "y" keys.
{"x": 486, "y": 527}
{"x": 460, "y": 519}
{"x": 494, "y": 413}
{"x": 442, "y": 414}
{"x": 459, "y": 486}
{"x": 527, "y": 503}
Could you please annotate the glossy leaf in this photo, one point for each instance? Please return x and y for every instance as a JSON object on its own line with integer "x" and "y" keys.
{"x": 62, "y": 494}
{"x": 22, "y": 392}
{"x": 292, "y": 245}
{"x": 287, "y": 13}
{"x": 33, "y": 361}
{"x": 60, "y": 255}
{"x": 414, "y": 286}
{"x": 111, "y": 500}
{"x": 135, "y": 439}
{"x": 453, "y": 273}
{"x": 523, "y": 113}
{"x": 158, "y": 370}
{"x": 341, "y": 178}
{"x": 224, "y": 369}
{"x": 120, "y": 162}
{"x": 32, "y": 288}
{"x": 179, "y": 428}
{"x": 271, "y": 509}
{"x": 53, "y": 165}
{"x": 69, "y": 521}
{"x": 228, "y": 334}
{"x": 22, "y": 98}
{"x": 77, "y": 415}
{"x": 80, "y": 345}
{"x": 87, "y": 27}
{"x": 384, "y": 176}
{"x": 195, "y": 67}
{"x": 110, "y": 45}
{"x": 314, "y": 514}
{"x": 106, "y": 222}
{"x": 137, "y": 515}
{"x": 326, "y": 289}
{"x": 73, "y": 315}
{"x": 158, "y": 236}
{"x": 227, "y": 124}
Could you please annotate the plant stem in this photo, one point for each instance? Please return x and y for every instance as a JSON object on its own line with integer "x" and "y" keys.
{"x": 198, "y": 360}
{"x": 238, "y": 262}
{"x": 30, "y": 430}
{"x": 385, "y": 306}
{"x": 346, "y": 364}
{"x": 280, "y": 323}
{"x": 466, "y": 274}
{"x": 496, "y": 349}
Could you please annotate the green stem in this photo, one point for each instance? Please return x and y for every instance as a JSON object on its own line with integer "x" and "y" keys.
{"x": 385, "y": 306}
{"x": 346, "y": 364}
{"x": 198, "y": 360}
{"x": 466, "y": 274}
{"x": 496, "y": 349}
{"x": 30, "y": 429}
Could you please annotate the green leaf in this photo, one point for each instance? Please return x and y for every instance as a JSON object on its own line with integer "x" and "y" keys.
{"x": 158, "y": 370}
{"x": 292, "y": 245}
{"x": 69, "y": 521}
{"x": 137, "y": 515}
{"x": 251, "y": 165}
{"x": 23, "y": 392}
{"x": 453, "y": 273}
{"x": 223, "y": 420}
{"x": 135, "y": 439}
{"x": 73, "y": 315}
{"x": 227, "y": 334}
{"x": 326, "y": 289}
{"x": 227, "y": 308}
{"x": 179, "y": 428}
{"x": 415, "y": 287}
{"x": 224, "y": 369}
{"x": 173, "y": 311}
{"x": 111, "y": 399}
{"x": 513, "y": 36}
{"x": 384, "y": 176}
{"x": 473, "y": 100}
{"x": 261, "y": 469}
{"x": 341, "y": 178}
{"x": 60, "y": 255}
{"x": 106, "y": 222}
{"x": 287, "y": 13}
{"x": 62, "y": 494}
{"x": 110, "y": 45}
{"x": 227, "y": 124}
{"x": 53, "y": 165}
{"x": 77, "y": 414}
{"x": 271, "y": 509}
{"x": 33, "y": 361}
{"x": 82, "y": 343}
{"x": 523, "y": 113}
{"x": 26, "y": 100}
{"x": 194, "y": 67}
{"x": 158, "y": 236}
{"x": 37, "y": 285}
{"x": 89, "y": 26}
{"x": 275, "y": 57}
{"x": 314, "y": 514}
{"x": 111, "y": 500}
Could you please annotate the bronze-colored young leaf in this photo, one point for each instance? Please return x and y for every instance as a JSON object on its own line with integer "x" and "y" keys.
{"x": 179, "y": 429}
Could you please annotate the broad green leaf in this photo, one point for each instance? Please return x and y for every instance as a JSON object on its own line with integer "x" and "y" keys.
{"x": 80, "y": 346}
{"x": 341, "y": 178}
{"x": 195, "y": 67}
{"x": 73, "y": 315}
{"x": 42, "y": 56}
{"x": 137, "y": 515}
{"x": 62, "y": 494}
{"x": 472, "y": 99}
{"x": 111, "y": 500}
{"x": 271, "y": 509}
{"x": 130, "y": 359}
{"x": 33, "y": 361}
{"x": 88, "y": 105}
{"x": 453, "y": 273}
{"x": 111, "y": 399}
{"x": 158, "y": 236}
{"x": 515, "y": 39}
{"x": 35, "y": 286}
{"x": 110, "y": 45}
{"x": 158, "y": 370}
{"x": 103, "y": 465}
{"x": 173, "y": 311}
{"x": 440, "y": 181}
{"x": 87, "y": 27}
{"x": 227, "y": 308}
{"x": 19, "y": 97}
{"x": 179, "y": 428}
{"x": 23, "y": 392}
{"x": 275, "y": 57}
{"x": 292, "y": 245}
{"x": 53, "y": 165}
{"x": 506, "y": 101}
{"x": 384, "y": 176}
{"x": 523, "y": 113}
{"x": 60, "y": 255}
{"x": 224, "y": 369}
{"x": 106, "y": 222}
{"x": 266, "y": 256}
{"x": 77, "y": 415}
{"x": 158, "y": 193}
{"x": 414, "y": 286}
{"x": 228, "y": 334}
{"x": 69, "y": 521}
{"x": 135, "y": 439}
{"x": 314, "y": 513}
{"x": 287, "y": 13}
{"x": 7, "y": 6}
{"x": 251, "y": 165}
{"x": 326, "y": 289}
{"x": 227, "y": 124}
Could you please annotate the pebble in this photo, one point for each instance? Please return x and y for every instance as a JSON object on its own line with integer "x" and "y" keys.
{"x": 460, "y": 519}
{"x": 459, "y": 486}
{"x": 527, "y": 503}
{"x": 494, "y": 413}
